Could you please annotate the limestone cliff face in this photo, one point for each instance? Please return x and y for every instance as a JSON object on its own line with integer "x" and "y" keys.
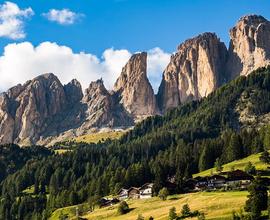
{"x": 25, "y": 109}
{"x": 134, "y": 89}
{"x": 195, "y": 70}
{"x": 6, "y": 120}
{"x": 103, "y": 110}
{"x": 249, "y": 45}
{"x": 42, "y": 109}
{"x": 73, "y": 91}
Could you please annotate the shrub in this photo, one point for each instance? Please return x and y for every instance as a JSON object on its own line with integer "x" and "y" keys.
{"x": 163, "y": 194}
{"x": 123, "y": 208}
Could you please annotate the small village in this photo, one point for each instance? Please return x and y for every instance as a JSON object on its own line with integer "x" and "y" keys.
{"x": 236, "y": 180}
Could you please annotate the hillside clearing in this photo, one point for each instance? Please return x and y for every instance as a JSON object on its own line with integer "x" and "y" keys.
{"x": 215, "y": 205}
{"x": 238, "y": 164}
{"x": 100, "y": 136}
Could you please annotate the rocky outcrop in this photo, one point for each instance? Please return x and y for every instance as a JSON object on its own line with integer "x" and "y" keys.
{"x": 6, "y": 120}
{"x": 249, "y": 46}
{"x": 195, "y": 70}
{"x": 25, "y": 109}
{"x": 103, "y": 109}
{"x": 44, "y": 108}
{"x": 73, "y": 91}
{"x": 134, "y": 89}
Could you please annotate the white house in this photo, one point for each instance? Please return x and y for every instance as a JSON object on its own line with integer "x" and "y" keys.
{"x": 146, "y": 191}
{"x": 123, "y": 194}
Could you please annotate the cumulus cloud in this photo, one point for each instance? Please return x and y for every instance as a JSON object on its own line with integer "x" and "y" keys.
{"x": 22, "y": 61}
{"x": 63, "y": 17}
{"x": 12, "y": 20}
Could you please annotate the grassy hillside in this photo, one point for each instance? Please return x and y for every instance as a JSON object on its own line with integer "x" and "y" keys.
{"x": 100, "y": 136}
{"x": 238, "y": 164}
{"x": 215, "y": 205}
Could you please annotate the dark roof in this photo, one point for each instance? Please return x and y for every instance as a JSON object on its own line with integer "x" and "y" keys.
{"x": 170, "y": 185}
{"x": 239, "y": 175}
{"x": 133, "y": 188}
{"x": 122, "y": 189}
{"x": 217, "y": 177}
{"x": 146, "y": 185}
{"x": 108, "y": 202}
{"x": 234, "y": 178}
{"x": 200, "y": 179}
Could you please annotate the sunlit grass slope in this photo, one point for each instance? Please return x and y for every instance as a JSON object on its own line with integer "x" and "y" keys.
{"x": 215, "y": 205}
{"x": 238, "y": 164}
{"x": 100, "y": 136}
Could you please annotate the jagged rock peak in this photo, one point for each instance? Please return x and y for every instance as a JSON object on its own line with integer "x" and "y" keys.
{"x": 134, "y": 89}
{"x": 202, "y": 39}
{"x": 102, "y": 108}
{"x": 95, "y": 88}
{"x": 29, "y": 107}
{"x": 194, "y": 71}
{"x": 73, "y": 91}
{"x": 249, "y": 46}
{"x": 135, "y": 68}
{"x": 252, "y": 19}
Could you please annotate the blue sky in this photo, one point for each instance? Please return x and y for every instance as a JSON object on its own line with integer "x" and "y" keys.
{"x": 136, "y": 25}
{"x": 106, "y": 32}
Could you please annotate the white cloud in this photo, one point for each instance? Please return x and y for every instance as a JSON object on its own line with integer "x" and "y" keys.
{"x": 156, "y": 63}
{"x": 63, "y": 17}
{"x": 22, "y": 61}
{"x": 12, "y": 20}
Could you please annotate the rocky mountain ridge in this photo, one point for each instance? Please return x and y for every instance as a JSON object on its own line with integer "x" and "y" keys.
{"x": 42, "y": 109}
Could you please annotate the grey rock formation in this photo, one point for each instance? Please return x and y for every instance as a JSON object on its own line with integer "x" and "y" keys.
{"x": 25, "y": 109}
{"x": 249, "y": 46}
{"x": 73, "y": 91}
{"x": 103, "y": 108}
{"x": 134, "y": 89}
{"x": 43, "y": 108}
{"x": 195, "y": 70}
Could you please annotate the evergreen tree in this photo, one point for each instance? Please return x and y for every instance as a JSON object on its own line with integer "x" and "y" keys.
{"x": 172, "y": 213}
{"x": 234, "y": 150}
{"x": 218, "y": 165}
{"x": 185, "y": 211}
{"x": 257, "y": 198}
{"x": 265, "y": 157}
{"x": 205, "y": 159}
{"x": 250, "y": 169}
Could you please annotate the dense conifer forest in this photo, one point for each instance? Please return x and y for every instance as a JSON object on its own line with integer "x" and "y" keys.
{"x": 186, "y": 140}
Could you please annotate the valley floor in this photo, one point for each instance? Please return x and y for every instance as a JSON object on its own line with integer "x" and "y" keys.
{"x": 215, "y": 205}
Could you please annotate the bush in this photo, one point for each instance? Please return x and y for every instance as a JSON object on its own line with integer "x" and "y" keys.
{"x": 123, "y": 208}
{"x": 163, "y": 194}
